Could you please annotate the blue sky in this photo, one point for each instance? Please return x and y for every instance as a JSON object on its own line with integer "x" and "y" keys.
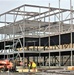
{"x": 6, "y": 5}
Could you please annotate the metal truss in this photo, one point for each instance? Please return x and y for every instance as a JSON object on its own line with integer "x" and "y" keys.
{"x": 36, "y": 21}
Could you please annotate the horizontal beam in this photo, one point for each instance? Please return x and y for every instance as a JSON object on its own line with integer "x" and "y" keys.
{"x": 39, "y": 14}
{"x": 5, "y": 22}
{"x": 19, "y": 14}
{"x": 26, "y": 12}
{"x": 12, "y": 10}
{"x": 49, "y": 15}
{"x": 47, "y": 7}
{"x": 68, "y": 19}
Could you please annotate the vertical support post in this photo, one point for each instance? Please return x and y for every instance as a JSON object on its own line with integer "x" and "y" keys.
{"x": 59, "y": 26}
{"x": 71, "y": 58}
{"x": 55, "y": 18}
{"x": 23, "y": 33}
{"x": 39, "y": 28}
{"x": 62, "y": 22}
{"x": 44, "y": 61}
{"x": 55, "y": 60}
{"x": 5, "y": 36}
{"x": 39, "y": 34}
{"x": 37, "y": 59}
{"x": 34, "y": 45}
{"x": 13, "y": 35}
{"x": 44, "y": 17}
{"x": 52, "y": 60}
{"x": 62, "y": 60}
{"x": 49, "y": 26}
{"x": 49, "y": 34}
{"x": 59, "y": 58}
{"x": 71, "y": 22}
{"x": 49, "y": 59}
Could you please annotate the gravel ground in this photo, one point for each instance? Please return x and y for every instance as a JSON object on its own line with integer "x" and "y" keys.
{"x": 38, "y": 73}
{"x": 9, "y": 73}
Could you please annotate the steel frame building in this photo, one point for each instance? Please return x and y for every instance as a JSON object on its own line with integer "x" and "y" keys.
{"x": 43, "y": 33}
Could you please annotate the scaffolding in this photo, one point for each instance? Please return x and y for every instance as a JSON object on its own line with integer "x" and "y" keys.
{"x": 34, "y": 21}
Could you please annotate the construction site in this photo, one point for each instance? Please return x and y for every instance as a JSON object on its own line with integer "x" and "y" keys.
{"x": 40, "y": 34}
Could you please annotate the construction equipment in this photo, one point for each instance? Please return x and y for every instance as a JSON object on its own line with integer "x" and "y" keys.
{"x": 6, "y": 65}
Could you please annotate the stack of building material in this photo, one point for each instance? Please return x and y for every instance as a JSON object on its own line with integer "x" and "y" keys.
{"x": 70, "y": 68}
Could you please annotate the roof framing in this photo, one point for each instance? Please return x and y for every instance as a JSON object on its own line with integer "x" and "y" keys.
{"x": 32, "y": 17}
{"x": 26, "y": 5}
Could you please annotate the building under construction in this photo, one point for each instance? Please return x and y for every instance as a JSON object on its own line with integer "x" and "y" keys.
{"x": 39, "y": 33}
